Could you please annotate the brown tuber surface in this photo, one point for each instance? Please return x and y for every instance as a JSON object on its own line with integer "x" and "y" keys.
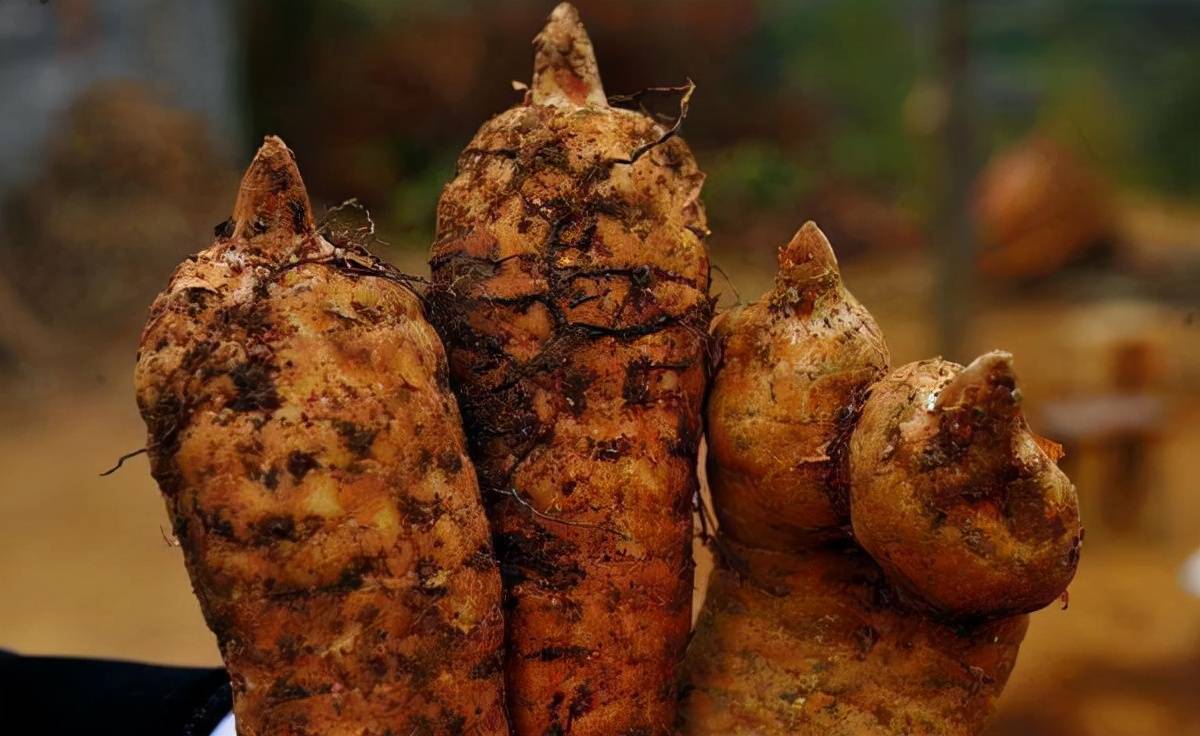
{"x": 955, "y": 497}
{"x": 570, "y": 285}
{"x": 794, "y": 367}
{"x": 964, "y": 522}
{"x": 814, "y": 642}
{"x": 311, "y": 457}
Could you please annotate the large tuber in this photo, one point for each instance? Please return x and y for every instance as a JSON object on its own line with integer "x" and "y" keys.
{"x": 311, "y": 457}
{"x": 570, "y": 285}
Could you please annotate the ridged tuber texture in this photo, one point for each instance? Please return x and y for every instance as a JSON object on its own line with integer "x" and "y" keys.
{"x": 570, "y": 285}
{"x": 967, "y": 521}
{"x": 814, "y": 642}
{"x": 313, "y": 465}
{"x": 794, "y": 367}
{"x": 955, "y": 497}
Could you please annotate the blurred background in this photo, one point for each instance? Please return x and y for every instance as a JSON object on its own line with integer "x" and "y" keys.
{"x": 1021, "y": 174}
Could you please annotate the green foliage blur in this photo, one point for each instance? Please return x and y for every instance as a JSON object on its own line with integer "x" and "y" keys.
{"x": 794, "y": 98}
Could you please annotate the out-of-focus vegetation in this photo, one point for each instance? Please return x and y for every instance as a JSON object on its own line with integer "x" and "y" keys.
{"x": 794, "y": 99}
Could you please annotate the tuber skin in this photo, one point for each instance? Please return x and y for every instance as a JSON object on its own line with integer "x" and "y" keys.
{"x": 794, "y": 367}
{"x": 314, "y": 469}
{"x": 953, "y": 495}
{"x": 570, "y": 286}
{"x": 964, "y": 523}
{"x": 815, "y": 642}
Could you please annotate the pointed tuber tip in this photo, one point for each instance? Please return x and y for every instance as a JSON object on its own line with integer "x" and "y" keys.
{"x": 988, "y": 383}
{"x": 993, "y": 366}
{"x": 564, "y": 12}
{"x": 564, "y": 63}
{"x": 272, "y": 198}
{"x": 807, "y": 258}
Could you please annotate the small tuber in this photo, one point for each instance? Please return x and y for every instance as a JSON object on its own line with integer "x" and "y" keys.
{"x": 953, "y": 495}
{"x": 794, "y": 368}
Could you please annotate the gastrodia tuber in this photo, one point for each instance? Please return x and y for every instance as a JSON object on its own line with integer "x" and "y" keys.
{"x": 952, "y": 494}
{"x": 794, "y": 366}
{"x": 814, "y": 642}
{"x": 314, "y": 469}
{"x": 570, "y": 285}
{"x": 812, "y": 450}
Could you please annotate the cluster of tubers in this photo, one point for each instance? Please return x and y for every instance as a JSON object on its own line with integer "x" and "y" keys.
{"x": 881, "y": 534}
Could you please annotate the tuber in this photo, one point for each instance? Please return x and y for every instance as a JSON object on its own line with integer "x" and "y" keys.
{"x": 814, "y": 642}
{"x": 570, "y": 286}
{"x": 793, "y": 368}
{"x": 953, "y": 495}
{"x": 314, "y": 469}
{"x": 881, "y": 536}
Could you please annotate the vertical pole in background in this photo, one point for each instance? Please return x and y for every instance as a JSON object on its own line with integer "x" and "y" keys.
{"x": 953, "y": 230}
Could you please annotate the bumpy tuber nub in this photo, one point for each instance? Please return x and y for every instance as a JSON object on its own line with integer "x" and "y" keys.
{"x": 954, "y": 496}
{"x": 794, "y": 366}
{"x": 272, "y": 204}
{"x": 807, "y": 258}
{"x": 564, "y": 65}
{"x": 988, "y": 384}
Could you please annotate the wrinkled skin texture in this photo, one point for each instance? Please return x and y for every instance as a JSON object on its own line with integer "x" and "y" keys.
{"x": 815, "y": 643}
{"x": 571, "y": 289}
{"x": 311, "y": 457}
{"x": 794, "y": 367}
{"x": 953, "y": 495}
